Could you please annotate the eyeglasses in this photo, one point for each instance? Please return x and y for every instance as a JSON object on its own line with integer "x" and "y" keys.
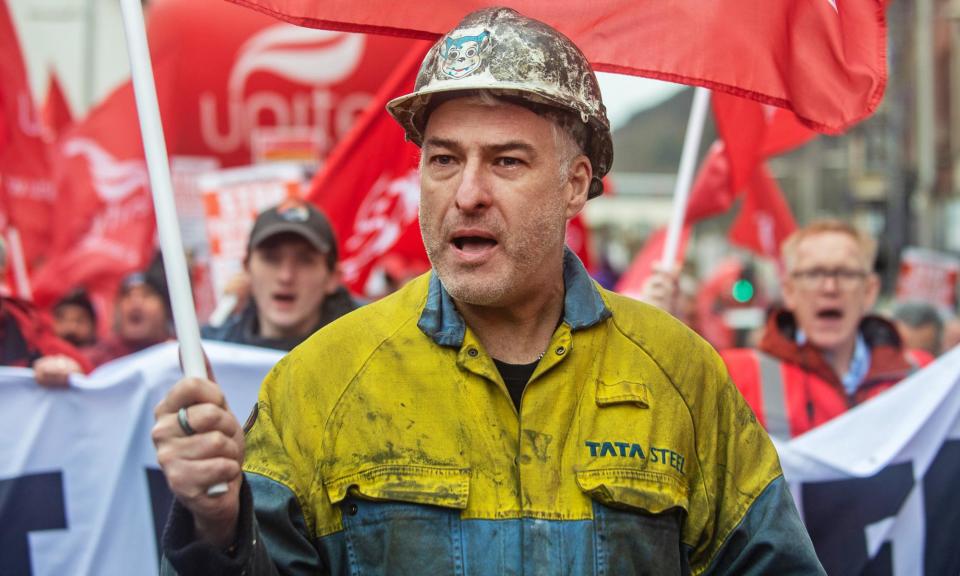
{"x": 846, "y": 278}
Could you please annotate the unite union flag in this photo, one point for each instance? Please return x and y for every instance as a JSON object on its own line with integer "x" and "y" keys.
{"x": 823, "y": 59}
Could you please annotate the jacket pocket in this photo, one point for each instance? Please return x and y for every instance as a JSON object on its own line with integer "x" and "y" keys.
{"x": 637, "y": 521}
{"x": 403, "y": 519}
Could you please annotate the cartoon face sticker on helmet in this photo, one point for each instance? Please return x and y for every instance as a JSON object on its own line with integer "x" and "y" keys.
{"x": 463, "y": 55}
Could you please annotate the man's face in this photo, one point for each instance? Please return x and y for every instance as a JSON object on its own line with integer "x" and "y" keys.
{"x": 142, "y": 317}
{"x": 74, "y": 324}
{"x": 289, "y": 280}
{"x": 829, "y": 289}
{"x": 494, "y": 203}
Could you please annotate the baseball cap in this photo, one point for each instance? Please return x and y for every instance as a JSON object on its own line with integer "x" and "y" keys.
{"x": 294, "y": 217}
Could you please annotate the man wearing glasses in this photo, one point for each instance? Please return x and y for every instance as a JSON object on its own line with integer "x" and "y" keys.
{"x": 823, "y": 353}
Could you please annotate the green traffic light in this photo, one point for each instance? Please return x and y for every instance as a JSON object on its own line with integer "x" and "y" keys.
{"x": 742, "y": 291}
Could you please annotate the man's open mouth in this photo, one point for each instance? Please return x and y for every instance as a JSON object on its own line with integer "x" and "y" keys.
{"x": 473, "y": 243}
{"x": 284, "y": 297}
{"x": 830, "y": 314}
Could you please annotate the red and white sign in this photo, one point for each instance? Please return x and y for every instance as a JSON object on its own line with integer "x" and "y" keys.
{"x": 232, "y": 199}
{"x": 928, "y": 276}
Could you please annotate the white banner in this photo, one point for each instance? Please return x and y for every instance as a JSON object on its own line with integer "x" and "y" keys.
{"x": 80, "y": 491}
{"x": 80, "y": 488}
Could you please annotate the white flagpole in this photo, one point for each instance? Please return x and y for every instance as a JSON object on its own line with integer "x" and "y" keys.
{"x": 688, "y": 164}
{"x": 20, "y": 276}
{"x": 155, "y": 149}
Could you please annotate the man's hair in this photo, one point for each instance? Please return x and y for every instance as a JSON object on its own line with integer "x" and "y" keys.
{"x": 569, "y": 132}
{"x": 917, "y": 314}
{"x": 867, "y": 245}
{"x": 78, "y": 298}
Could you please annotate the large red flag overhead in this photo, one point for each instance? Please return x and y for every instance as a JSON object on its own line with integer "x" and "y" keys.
{"x": 26, "y": 190}
{"x": 825, "y": 60}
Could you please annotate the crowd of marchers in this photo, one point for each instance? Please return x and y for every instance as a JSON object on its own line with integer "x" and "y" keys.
{"x": 290, "y": 287}
{"x": 822, "y": 349}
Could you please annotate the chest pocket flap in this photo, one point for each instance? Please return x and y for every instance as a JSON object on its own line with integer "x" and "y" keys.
{"x": 448, "y": 487}
{"x": 642, "y": 490}
{"x": 621, "y": 392}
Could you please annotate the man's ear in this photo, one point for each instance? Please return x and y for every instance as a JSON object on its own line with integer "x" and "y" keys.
{"x": 578, "y": 185}
{"x": 788, "y": 291}
{"x": 333, "y": 279}
{"x": 871, "y": 292}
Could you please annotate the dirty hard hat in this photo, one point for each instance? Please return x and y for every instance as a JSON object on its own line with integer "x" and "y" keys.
{"x": 509, "y": 55}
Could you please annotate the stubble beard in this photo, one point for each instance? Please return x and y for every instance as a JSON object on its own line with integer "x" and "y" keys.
{"x": 528, "y": 249}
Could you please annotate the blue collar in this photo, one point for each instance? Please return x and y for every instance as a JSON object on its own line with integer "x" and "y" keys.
{"x": 582, "y": 305}
{"x": 859, "y": 363}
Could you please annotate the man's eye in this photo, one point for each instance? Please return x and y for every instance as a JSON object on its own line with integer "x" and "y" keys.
{"x": 307, "y": 258}
{"x": 509, "y": 161}
{"x": 442, "y": 159}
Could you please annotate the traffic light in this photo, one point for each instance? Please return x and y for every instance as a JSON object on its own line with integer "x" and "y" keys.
{"x": 743, "y": 289}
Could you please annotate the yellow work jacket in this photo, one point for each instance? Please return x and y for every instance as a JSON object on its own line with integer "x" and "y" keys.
{"x": 388, "y": 443}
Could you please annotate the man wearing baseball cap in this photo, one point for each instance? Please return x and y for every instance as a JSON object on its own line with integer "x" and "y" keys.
{"x": 294, "y": 280}
{"x": 501, "y": 414}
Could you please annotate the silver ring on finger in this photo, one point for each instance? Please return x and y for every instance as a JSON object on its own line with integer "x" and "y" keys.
{"x": 184, "y": 422}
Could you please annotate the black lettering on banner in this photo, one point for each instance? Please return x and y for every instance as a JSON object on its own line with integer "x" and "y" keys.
{"x": 161, "y": 499}
{"x": 941, "y": 495}
{"x": 837, "y": 513}
{"x": 28, "y": 504}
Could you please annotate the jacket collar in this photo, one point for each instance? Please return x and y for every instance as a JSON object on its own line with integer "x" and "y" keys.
{"x": 888, "y": 360}
{"x": 582, "y": 305}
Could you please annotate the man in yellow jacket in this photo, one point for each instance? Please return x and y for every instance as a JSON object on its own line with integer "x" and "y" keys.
{"x": 501, "y": 414}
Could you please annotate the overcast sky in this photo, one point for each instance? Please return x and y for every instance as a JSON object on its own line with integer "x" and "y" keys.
{"x": 624, "y": 95}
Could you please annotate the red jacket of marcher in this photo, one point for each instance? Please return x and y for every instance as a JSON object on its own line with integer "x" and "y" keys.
{"x": 112, "y": 347}
{"x": 26, "y": 335}
{"x": 793, "y": 389}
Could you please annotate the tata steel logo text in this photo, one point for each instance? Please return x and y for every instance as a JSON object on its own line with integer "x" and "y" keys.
{"x": 315, "y": 59}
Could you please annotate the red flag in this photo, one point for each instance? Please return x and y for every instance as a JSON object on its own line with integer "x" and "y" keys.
{"x": 711, "y": 193}
{"x": 784, "y": 133}
{"x": 370, "y": 185}
{"x": 56, "y": 113}
{"x": 631, "y": 283}
{"x": 742, "y": 126}
{"x": 825, "y": 62}
{"x": 765, "y": 219}
{"x": 751, "y": 132}
{"x": 26, "y": 191}
{"x": 242, "y": 74}
{"x": 105, "y": 215}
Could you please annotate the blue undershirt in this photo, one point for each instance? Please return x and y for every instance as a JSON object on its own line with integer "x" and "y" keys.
{"x": 859, "y": 363}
